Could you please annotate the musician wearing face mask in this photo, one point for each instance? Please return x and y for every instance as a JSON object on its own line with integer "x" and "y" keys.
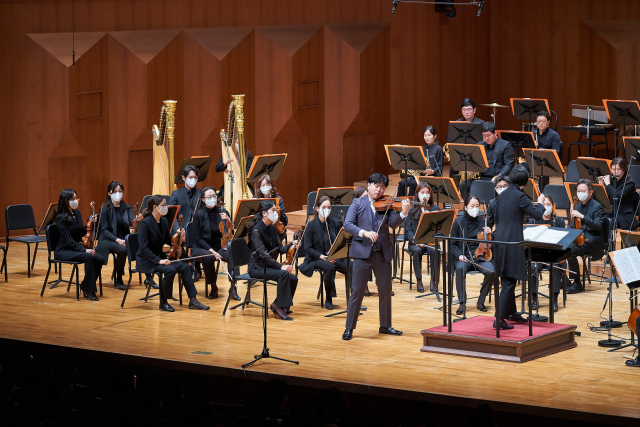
{"x": 153, "y": 234}
{"x": 72, "y": 230}
{"x": 207, "y": 240}
{"x": 115, "y": 218}
{"x": 622, "y": 188}
{"x": 501, "y": 184}
{"x": 434, "y": 155}
{"x": 267, "y": 190}
{"x": 549, "y": 218}
{"x": 423, "y": 195}
{"x": 468, "y": 225}
{"x": 265, "y": 245}
{"x": 221, "y": 166}
{"x": 319, "y": 235}
{"x": 187, "y": 197}
{"x": 591, "y": 212}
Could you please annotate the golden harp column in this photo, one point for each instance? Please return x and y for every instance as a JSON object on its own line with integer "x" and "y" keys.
{"x": 238, "y": 103}
{"x": 170, "y": 107}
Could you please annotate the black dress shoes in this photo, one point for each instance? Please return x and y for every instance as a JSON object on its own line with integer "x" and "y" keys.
{"x": 90, "y": 297}
{"x": 460, "y": 309}
{"x": 517, "y": 318}
{"x": 555, "y": 302}
{"x": 167, "y": 307}
{"x": 280, "y": 312}
{"x": 534, "y": 302}
{"x": 503, "y": 325}
{"x": 419, "y": 286}
{"x": 635, "y": 363}
{"x": 154, "y": 285}
{"x": 575, "y": 288}
{"x": 363, "y": 308}
{"x": 367, "y": 294}
{"x": 234, "y": 293}
{"x": 393, "y": 294}
{"x": 120, "y": 286}
{"x": 481, "y": 307}
{"x": 348, "y": 334}
{"x": 389, "y": 331}
{"x": 197, "y": 306}
{"x": 213, "y": 294}
{"x": 433, "y": 286}
{"x": 328, "y": 305}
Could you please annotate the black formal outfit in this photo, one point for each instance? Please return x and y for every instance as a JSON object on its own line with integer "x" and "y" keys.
{"x": 558, "y": 274}
{"x": 318, "y": 238}
{"x": 410, "y": 228}
{"x": 114, "y": 224}
{"x": 593, "y": 237}
{"x": 511, "y": 207}
{"x": 68, "y": 249}
{"x": 624, "y": 192}
{"x": 434, "y": 154}
{"x": 151, "y": 238}
{"x": 266, "y": 237}
{"x": 221, "y": 167}
{"x": 188, "y": 199}
{"x": 549, "y": 140}
{"x": 500, "y": 156}
{"x": 283, "y": 214}
{"x": 468, "y": 227}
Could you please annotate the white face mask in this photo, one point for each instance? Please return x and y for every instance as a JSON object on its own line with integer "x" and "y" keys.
{"x": 191, "y": 182}
{"x": 473, "y": 212}
{"x": 548, "y": 210}
{"x": 265, "y": 189}
{"x": 500, "y": 190}
{"x": 211, "y": 201}
{"x": 163, "y": 210}
{"x": 116, "y": 197}
{"x": 582, "y": 196}
{"x": 73, "y": 204}
{"x": 273, "y": 216}
{"x": 424, "y": 197}
{"x": 324, "y": 212}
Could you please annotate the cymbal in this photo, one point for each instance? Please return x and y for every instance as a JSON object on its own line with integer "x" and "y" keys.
{"x": 494, "y": 105}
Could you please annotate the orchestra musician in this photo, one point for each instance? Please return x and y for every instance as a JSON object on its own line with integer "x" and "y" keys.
{"x": 72, "y": 230}
{"x": 511, "y": 207}
{"x": 501, "y": 183}
{"x": 207, "y": 240}
{"x": 622, "y": 188}
{"x": 468, "y": 225}
{"x": 319, "y": 235}
{"x": 548, "y": 139}
{"x": 433, "y": 153}
{"x": 469, "y": 112}
{"x": 359, "y": 192}
{"x": 591, "y": 212}
{"x": 549, "y": 218}
{"x": 115, "y": 218}
{"x": 424, "y": 195}
{"x": 221, "y": 166}
{"x": 372, "y": 250}
{"x": 266, "y": 189}
{"x": 187, "y": 197}
{"x": 264, "y": 240}
{"x": 153, "y": 233}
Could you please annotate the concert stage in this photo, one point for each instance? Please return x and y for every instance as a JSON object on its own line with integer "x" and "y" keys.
{"x": 583, "y": 385}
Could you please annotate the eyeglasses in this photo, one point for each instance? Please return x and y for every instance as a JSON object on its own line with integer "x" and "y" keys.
{"x": 467, "y": 109}
{"x": 502, "y": 186}
{"x": 542, "y": 122}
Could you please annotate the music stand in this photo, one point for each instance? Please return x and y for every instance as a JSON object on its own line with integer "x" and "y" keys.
{"x": 531, "y": 190}
{"x": 247, "y": 207}
{"x": 341, "y": 248}
{"x": 525, "y": 108}
{"x": 630, "y": 238}
{"x": 441, "y": 185}
{"x": 202, "y": 165}
{"x": 270, "y": 164}
{"x": 172, "y": 214}
{"x": 243, "y": 229}
{"x": 591, "y": 168}
{"x": 473, "y": 156}
{"x": 599, "y": 193}
{"x": 519, "y": 141}
{"x": 404, "y": 157}
{"x": 541, "y": 157}
{"x": 622, "y": 113}
{"x": 337, "y": 195}
{"x": 462, "y": 132}
{"x": 632, "y": 149}
{"x": 49, "y": 218}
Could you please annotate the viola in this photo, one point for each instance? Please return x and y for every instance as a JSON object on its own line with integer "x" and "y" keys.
{"x": 226, "y": 229}
{"x": 577, "y": 223}
{"x": 136, "y": 211}
{"x": 87, "y": 240}
{"x": 483, "y": 253}
{"x": 176, "y": 243}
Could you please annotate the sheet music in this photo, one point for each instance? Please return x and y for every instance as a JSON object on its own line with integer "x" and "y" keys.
{"x": 625, "y": 261}
{"x": 542, "y": 234}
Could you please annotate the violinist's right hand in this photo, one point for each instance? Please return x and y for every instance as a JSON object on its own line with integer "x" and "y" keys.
{"x": 462, "y": 258}
{"x": 121, "y": 242}
{"x": 91, "y": 251}
{"x": 164, "y": 262}
{"x": 216, "y": 255}
{"x": 371, "y": 235}
{"x": 287, "y": 268}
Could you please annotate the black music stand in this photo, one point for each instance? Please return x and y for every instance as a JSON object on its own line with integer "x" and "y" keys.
{"x": 630, "y": 238}
{"x": 526, "y": 108}
{"x": 591, "y": 168}
{"x": 622, "y": 113}
{"x": 270, "y": 164}
{"x": 337, "y": 195}
{"x": 49, "y": 218}
{"x": 202, "y": 165}
{"x": 404, "y": 157}
{"x": 242, "y": 231}
{"x": 472, "y": 155}
{"x": 531, "y": 190}
{"x": 632, "y": 149}
{"x": 541, "y": 158}
{"x": 341, "y": 248}
{"x": 519, "y": 141}
{"x": 172, "y": 215}
{"x": 248, "y": 207}
{"x": 599, "y": 193}
{"x": 431, "y": 223}
{"x": 441, "y": 185}
{"x": 464, "y": 133}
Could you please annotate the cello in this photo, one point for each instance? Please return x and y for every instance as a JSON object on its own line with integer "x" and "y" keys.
{"x": 87, "y": 240}
{"x": 176, "y": 243}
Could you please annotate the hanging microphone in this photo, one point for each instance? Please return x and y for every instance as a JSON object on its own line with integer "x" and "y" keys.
{"x": 395, "y": 4}
{"x": 480, "y": 4}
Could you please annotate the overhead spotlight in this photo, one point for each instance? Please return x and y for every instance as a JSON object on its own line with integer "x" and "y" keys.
{"x": 449, "y": 11}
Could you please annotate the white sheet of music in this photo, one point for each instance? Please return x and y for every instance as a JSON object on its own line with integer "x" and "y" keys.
{"x": 627, "y": 263}
{"x": 542, "y": 234}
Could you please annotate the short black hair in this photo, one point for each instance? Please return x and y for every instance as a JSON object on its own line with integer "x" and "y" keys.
{"x": 501, "y": 178}
{"x": 431, "y": 129}
{"x": 378, "y": 178}
{"x": 488, "y": 127}
{"x": 586, "y": 182}
{"x": 544, "y": 114}
{"x": 188, "y": 169}
{"x": 519, "y": 175}
{"x": 467, "y": 103}
{"x": 469, "y": 198}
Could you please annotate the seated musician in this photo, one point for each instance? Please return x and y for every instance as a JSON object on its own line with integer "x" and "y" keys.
{"x": 264, "y": 239}
{"x": 622, "y": 188}
{"x": 72, "y": 230}
{"x": 359, "y": 192}
{"x": 548, "y": 139}
{"x": 468, "y": 226}
{"x": 186, "y": 197}
{"x": 591, "y": 213}
{"x": 424, "y": 195}
{"x": 500, "y": 156}
{"x": 501, "y": 183}
{"x": 266, "y": 189}
{"x": 320, "y": 234}
{"x": 433, "y": 153}
{"x": 469, "y": 112}
{"x": 115, "y": 218}
{"x": 221, "y": 166}
{"x": 549, "y": 218}
{"x": 207, "y": 239}
{"x": 153, "y": 233}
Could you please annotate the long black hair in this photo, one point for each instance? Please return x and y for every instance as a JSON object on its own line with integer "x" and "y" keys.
{"x": 153, "y": 201}
{"x": 63, "y": 203}
{"x": 110, "y": 189}
{"x": 265, "y": 205}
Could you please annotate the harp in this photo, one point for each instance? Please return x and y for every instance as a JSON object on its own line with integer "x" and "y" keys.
{"x": 163, "y": 138}
{"x": 235, "y": 179}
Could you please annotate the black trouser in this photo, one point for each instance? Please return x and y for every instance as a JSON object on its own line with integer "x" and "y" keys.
{"x": 418, "y": 251}
{"x": 169, "y": 272}
{"x": 209, "y": 265}
{"x": 92, "y": 267}
{"x": 508, "y": 297}
{"x": 572, "y": 262}
{"x": 287, "y": 284}
{"x": 410, "y": 183}
{"x": 362, "y": 269}
{"x": 556, "y": 279}
{"x": 121, "y": 258}
{"x": 329, "y": 270}
{"x": 461, "y": 272}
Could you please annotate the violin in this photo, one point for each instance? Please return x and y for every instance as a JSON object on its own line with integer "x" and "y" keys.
{"x": 87, "y": 240}
{"x": 226, "y": 229}
{"x": 136, "y": 211}
{"x": 483, "y": 253}
{"x": 279, "y": 225}
{"x": 292, "y": 252}
{"x": 577, "y": 223}
{"x": 176, "y": 243}
{"x": 395, "y": 203}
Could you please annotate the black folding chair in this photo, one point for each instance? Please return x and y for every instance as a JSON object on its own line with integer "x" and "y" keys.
{"x": 20, "y": 217}
{"x": 3, "y": 267}
{"x": 485, "y": 191}
{"x": 572, "y": 172}
{"x": 239, "y": 256}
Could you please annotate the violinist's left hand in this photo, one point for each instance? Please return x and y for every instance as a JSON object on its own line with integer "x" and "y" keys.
{"x": 139, "y": 217}
{"x": 486, "y": 230}
{"x": 224, "y": 217}
{"x": 296, "y": 243}
{"x": 575, "y": 213}
{"x": 406, "y": 205}
{"x": 182, "y": 236}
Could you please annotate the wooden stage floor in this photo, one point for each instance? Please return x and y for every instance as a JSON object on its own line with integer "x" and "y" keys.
{"x": 586, "y": 383}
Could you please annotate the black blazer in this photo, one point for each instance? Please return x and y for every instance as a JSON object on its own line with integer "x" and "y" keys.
{"x": 71, "y": 232}
{"x": 108, "y": 230}
{"x": 187, "y": 204}
{"x": 204, "y": 237}
{"x": 435, "y": 156}
{"x": 592, "y": 226}
{"x": 411, "y": 226}
{"x": 151, "y": 238}
{"x": 314, "y": 242}
{"x": 624, "y": 194}
{"x": 502, "y": 161}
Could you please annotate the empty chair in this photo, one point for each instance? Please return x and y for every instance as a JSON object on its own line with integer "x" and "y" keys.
{"x": 20, "y": 217}
{"x": 239, "y": 256}
{"x": 483, "y": 190}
